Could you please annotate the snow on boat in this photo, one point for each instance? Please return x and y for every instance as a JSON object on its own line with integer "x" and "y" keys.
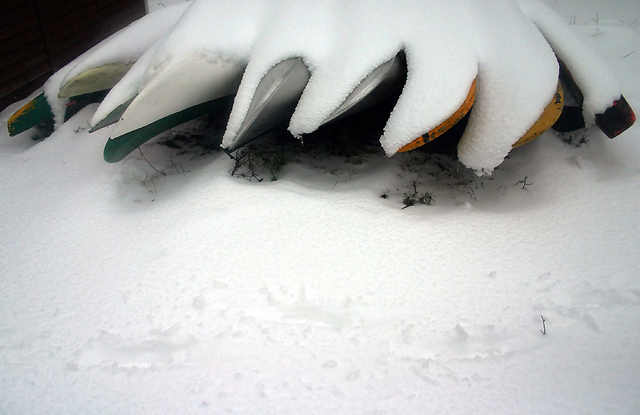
{"x": 86, "y": 88}
{"x": 547, "y": 119}
{"x": 278, "y": 93}
{"x": 203, "y": 57}
{"x": 455, "y": 118}
{"x": 102, "y": 78}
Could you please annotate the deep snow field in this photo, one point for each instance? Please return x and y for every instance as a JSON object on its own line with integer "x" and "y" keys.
{"x": 127, "y": 291}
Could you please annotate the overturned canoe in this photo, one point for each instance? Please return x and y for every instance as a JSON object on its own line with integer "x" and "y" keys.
{"x": 38, "y": 112}
{"x": 548, "y": 117}
{"x": 274, "y": 101}
{"x": 615, "y": 120}
{"x": 94, "y": 80}
{"x": 455, "y": 118}
{"x": 190, "y": 89}
{"x": 280, "y": 89}
{"x": 31, "y": 114}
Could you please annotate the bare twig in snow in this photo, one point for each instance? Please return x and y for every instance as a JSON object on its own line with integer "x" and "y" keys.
{"x": 524, "y": 182}
{"x": 145, "y": 159}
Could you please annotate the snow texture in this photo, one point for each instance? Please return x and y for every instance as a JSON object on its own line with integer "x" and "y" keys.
{"x": 127, "y": 291}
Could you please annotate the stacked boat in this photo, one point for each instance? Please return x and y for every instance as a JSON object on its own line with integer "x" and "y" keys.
{"x": 143, "y": 106}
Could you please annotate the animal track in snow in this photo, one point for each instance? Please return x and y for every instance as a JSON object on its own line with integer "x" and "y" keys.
{"x": 168, "y": 347}
{"x": 582, "y": 302}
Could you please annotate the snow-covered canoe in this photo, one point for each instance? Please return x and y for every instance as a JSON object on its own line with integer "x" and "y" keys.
{"x": 613, "y": 122}
{"x": 37, "y": 113}
{"x": 192, "y": 88}
{"x": 95, "y": 79}
{"x": 196, "y": 87}
{"x": 86, "y": 88}
{"x": 280, "y": 89}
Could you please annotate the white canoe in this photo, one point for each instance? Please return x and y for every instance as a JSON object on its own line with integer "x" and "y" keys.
{"x": 280, "y": 89}
{"x": 191, "y": 88}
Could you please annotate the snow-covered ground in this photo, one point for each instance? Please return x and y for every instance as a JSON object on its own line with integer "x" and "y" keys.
{"x": 126, "y": 291}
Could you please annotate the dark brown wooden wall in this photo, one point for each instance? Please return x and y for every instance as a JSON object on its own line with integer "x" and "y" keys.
{"x": 38, "y": 37}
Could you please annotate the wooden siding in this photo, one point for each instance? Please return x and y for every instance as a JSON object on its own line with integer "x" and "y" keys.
{"x": 38, "y": 37}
